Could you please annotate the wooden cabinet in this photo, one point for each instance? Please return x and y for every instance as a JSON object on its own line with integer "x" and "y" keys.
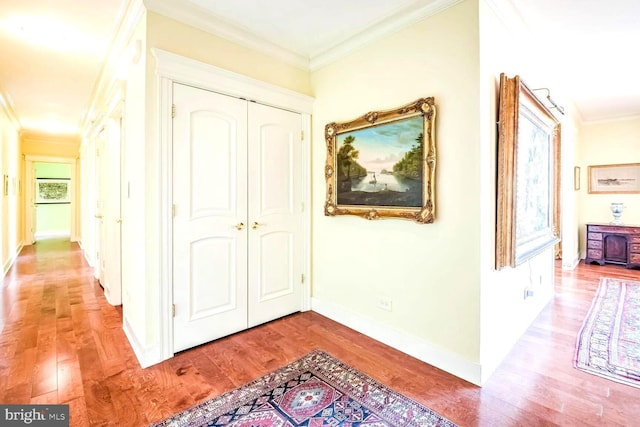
{"x": 615, "y": 244}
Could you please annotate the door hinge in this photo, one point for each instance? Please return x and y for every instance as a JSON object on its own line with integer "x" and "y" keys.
{"x": 173, "y": 310}
{"x": 302, "y": 278}
{"x": 173, "y": 111}
{"x": 302, "y": 135}
{"x": 173, "y": 211}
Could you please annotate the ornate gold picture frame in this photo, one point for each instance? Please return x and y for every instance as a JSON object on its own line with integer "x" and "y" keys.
{"x": 528, "y": 189}
{"x": 383, "y": 164}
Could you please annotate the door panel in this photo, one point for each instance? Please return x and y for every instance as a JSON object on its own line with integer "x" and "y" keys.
{"x": 218, "y": 297}
{"x": 209, "y": 196}
{"x": 275, "y": 213}
{"x": 276, "y": 278}
{"x": 213, "y": 165}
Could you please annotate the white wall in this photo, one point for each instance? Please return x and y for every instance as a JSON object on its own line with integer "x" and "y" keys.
{"x": 506, "y": 314}
{"x": 606, "y": 143}
{"x": 134, "y": 210}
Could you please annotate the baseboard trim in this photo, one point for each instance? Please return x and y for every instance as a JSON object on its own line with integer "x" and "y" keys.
{"x": 7, "y": 265}
{"x": 409, "y": 344}
{"x": 147, "y": 356}
{"x": 52, "y": 234}
{"x": 572, "y": 264}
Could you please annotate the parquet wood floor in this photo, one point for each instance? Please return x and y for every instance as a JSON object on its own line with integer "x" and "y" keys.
{"x": 61, "y": 342}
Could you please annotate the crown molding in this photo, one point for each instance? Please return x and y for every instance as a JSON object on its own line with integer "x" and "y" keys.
{"x": 404, "y": 18}
{"x": 198, "y": 17}
{"x": 508, "y": 14}
{"x": 195, "y": 16}
{"x": 192, "y": 72}
{"x": 7, "y": 106}
{"x": 131, "y": 15}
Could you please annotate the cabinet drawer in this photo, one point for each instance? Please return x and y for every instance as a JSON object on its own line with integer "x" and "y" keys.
{"x": 594, "y": 236}
{"x": 634, "y": 239}
{"x": 595, "y": 253}
{"x": 634, "y": 247}
{"x": 634, "y": 259}
{"x": 594, "y": 244}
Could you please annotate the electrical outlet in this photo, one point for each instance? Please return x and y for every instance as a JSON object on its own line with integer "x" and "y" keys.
{"x": 384, "y": 303}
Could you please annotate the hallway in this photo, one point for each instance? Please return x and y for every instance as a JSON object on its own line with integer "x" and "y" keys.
{"x": 63, "y": 343}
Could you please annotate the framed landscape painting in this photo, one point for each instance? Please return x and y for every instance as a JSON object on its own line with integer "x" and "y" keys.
{"x": 528, "y": 187}
{"x": 383, "y": 164}
{"x": 621, "y": 178}
{"x": 52, "y": 190}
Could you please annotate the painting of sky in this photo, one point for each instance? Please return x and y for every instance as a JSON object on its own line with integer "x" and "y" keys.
{"x": 382, "y": 146}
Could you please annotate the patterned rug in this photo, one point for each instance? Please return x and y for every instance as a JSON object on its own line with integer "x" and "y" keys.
{"x": 316, "y": 390}
{"x": 608, "y": 344}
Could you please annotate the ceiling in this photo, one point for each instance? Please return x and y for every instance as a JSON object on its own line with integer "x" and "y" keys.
{"x": 52, "y": 51}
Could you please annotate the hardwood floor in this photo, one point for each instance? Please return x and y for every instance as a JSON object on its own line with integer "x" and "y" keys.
{"x": 63, "y": 343}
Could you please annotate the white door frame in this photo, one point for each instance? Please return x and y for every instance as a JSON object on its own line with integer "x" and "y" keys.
{"x": 111, "y": 195}
{"x": 172, "y": 68}
{"x": 29, "y": 200}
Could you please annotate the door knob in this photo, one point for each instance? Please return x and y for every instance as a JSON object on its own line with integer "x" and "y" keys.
{"x": 119, "y": 220}
{"x": 98, "y": 216}
{"x": 255, "y": 225}
{"x": 240, "y": 226}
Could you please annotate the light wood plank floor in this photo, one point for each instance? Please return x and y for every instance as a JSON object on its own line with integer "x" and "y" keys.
{"x": 61, "y": 342}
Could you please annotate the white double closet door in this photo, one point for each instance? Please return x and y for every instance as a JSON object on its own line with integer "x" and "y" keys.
{"x": 238, "y": 222}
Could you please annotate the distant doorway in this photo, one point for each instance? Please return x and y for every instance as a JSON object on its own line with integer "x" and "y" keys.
{"x": 50, "y": 210}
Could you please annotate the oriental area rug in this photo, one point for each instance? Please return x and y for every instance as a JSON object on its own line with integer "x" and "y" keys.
{"x": 316, "y": 390}
{"x": 608, "y": 343}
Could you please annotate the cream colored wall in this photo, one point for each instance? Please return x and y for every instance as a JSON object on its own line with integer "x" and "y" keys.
{"x": 11, "y": 219}
{"x": 449, "y": 307}
{"x": 175, "y": 37}
{"x": 431, "y": 272}
{"x": 607, "y": 143}
{"x": 53, "y": 147}
{"x": 505, "y": 313}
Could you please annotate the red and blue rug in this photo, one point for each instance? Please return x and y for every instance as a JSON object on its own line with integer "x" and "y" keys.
{"x": 608, "y": 344}
{"x": 316, "y": 390}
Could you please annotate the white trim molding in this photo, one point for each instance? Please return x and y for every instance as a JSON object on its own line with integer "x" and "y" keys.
{"x": 199, "y": 74}
{"x": 411, "y": 14}
{"x": 198, "y": 17}
{"x": 6, "y": 103}
{"x": 409, "y": 344}
{"x": 146, "y": 356}
{"x": 195, "y": 16}
{"x": 170, "y": 69}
